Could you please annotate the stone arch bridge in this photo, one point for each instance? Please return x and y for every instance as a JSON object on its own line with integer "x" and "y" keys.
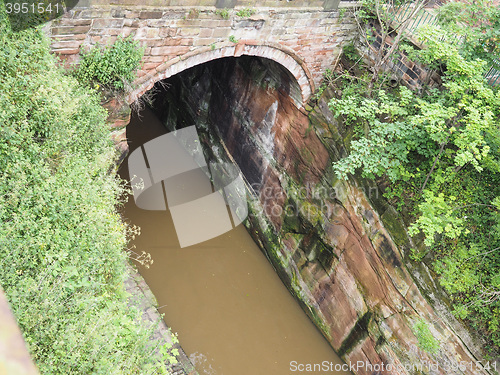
{"x": 303, "y": 36}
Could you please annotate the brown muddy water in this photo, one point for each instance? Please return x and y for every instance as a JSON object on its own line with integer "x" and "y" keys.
{"x": 231, "y": 311}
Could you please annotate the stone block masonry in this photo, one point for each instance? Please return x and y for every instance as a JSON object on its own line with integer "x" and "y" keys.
{"x": 305, "y": 39}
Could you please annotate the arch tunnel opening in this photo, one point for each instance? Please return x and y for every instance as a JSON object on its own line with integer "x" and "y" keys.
{"x": 230, "y": 308}
{"x": 233, "y": 99}
{"x": 253, "y": 106}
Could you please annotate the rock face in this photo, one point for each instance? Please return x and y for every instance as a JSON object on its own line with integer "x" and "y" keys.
{"x": 322, "y": 235}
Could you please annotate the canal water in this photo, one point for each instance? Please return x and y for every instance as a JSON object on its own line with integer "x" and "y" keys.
{"x": 231, "y": 311}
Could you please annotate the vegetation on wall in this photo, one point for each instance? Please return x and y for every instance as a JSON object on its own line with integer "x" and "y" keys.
{"x": 62, "y": 241}
{"x": 113, "y": 66}
{"x": 426, "y": 340}
{"x": 224, "y": 13}
{"x": 245, "y": 12}
{"x": 439, "y": 151}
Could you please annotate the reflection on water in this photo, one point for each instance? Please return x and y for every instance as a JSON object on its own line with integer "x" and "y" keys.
{"x": 231, "y": 311}
{"x": 201, "y": 362}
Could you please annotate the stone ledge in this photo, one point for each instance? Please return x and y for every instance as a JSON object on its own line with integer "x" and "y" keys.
{"x": 143, "y": 298}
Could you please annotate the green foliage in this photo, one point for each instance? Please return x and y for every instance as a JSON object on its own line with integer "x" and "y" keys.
{"x": 224, "y": 13}
{"x": 460, "y": 116}
{"x": 440, "y": 150}
{"x": 233, "y": 39}
{"x": 416, "y": 255}
{"x": 478, "y": 23}
{"x": 391, "y": 133}
{"x": 426, "y": 340}
{"x": 245, "y": 12}
{"x": 342, "y": 14}
{"x": 366, "y": 10}
{"x": 113, "y": 66}
{"x": 328, "y": 76}
{"x": 437, "y": 217}
{"x": 168, "y": 352}
{"x": 62, "y": 240}
{"x": 350, "y": 52}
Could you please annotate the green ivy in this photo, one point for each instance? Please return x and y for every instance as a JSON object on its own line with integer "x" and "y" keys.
{"x": 224, "y": 13}
{"x": 437, "y": 217}
{"x": 350, "y": 52}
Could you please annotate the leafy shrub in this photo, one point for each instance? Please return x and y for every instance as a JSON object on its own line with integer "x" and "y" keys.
{"x": 350, "y": 52}
{"x": 224, "y": 13}
{"x": 61, "y": 238}
{"x": 245, "y": 12}
{"x": 113, "y": 66}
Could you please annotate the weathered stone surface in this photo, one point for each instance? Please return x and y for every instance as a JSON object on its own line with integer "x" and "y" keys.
{"x": 333, "y": 301}
{"x": 118, "y": 118}
{"x": 65, "y": 52}
{"x": 366, "y": 358}
{"x": 150, "y": 14}
{"x": 294, "y": 31}
{"x": 14, "y": 355}
{"x": 118, "y": 112}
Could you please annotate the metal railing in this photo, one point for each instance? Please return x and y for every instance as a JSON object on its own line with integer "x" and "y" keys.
{"x": 423, "y": 17}
{"x": 426, "y": 17}
{"x": 493, "y": 75}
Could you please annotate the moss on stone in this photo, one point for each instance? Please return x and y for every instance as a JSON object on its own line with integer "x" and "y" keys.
{"x": 326, "y": 257}
{"x": 393, "y": 224}
{"x": 311, "y": 213}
